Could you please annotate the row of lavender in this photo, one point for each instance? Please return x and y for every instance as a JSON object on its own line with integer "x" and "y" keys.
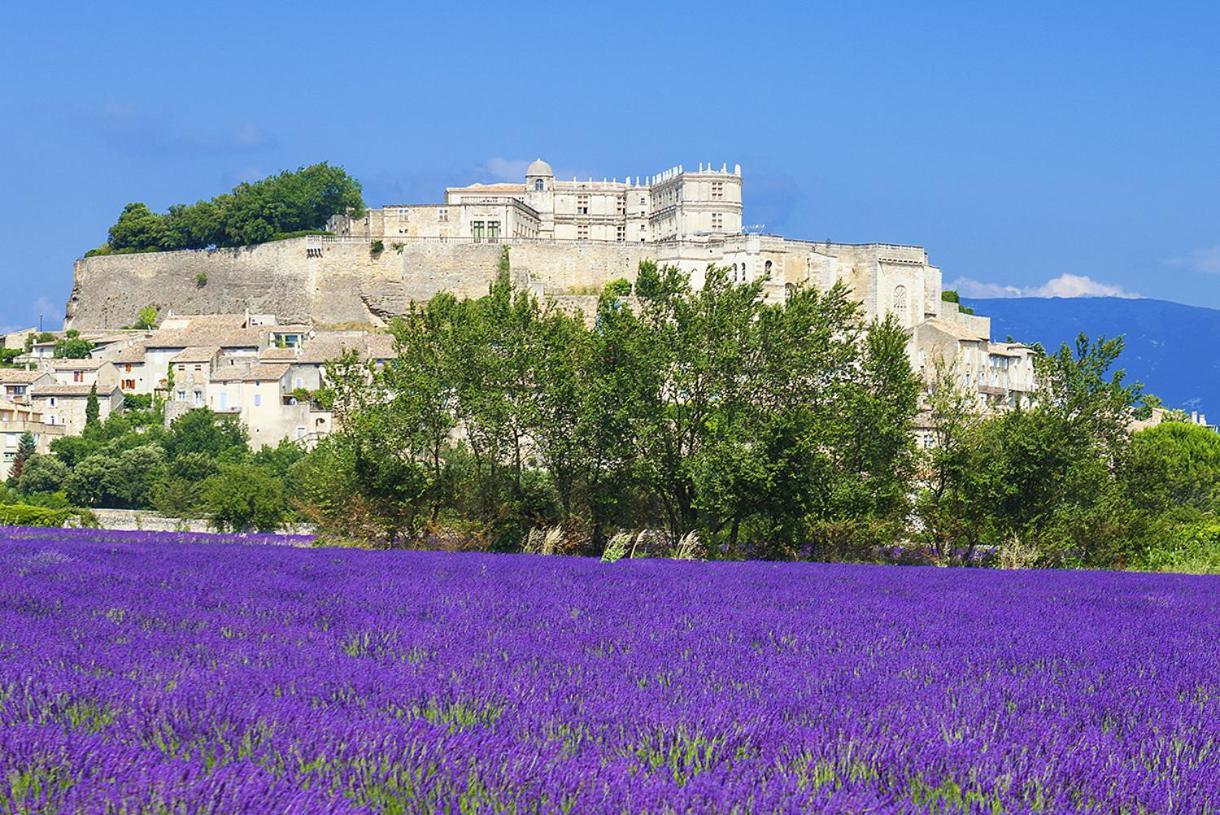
{"x": 140, "y": 677}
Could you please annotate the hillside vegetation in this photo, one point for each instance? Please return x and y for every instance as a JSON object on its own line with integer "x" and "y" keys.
{"x": 276, "y": 207}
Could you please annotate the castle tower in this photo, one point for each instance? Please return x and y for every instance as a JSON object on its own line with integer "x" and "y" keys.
{"x": 540, "y": 194}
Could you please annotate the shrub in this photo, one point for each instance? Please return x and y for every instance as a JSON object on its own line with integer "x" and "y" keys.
{"x": 201, "y": 280}
{"x": 377, "y": 247}
{"x": 26, "y": 515}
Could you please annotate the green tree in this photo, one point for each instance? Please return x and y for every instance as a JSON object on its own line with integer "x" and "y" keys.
{"x": 92, "y": 408}
{"x": 72, "y": 346}
{"x": 202, "y": 431}
{"x": 243, "y": 497}
{"x": 137, "y": 228}
{"x": 87, "y": 485}
{"x": 146, "y": 320}
{"x": 1174, "y": 465}
{"x": 41, "y": 474}
{"x": 301, "y": 200}
{"x": 27, "y": 446}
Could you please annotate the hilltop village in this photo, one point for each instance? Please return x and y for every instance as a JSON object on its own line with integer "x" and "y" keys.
{"x": 247, "y": 331}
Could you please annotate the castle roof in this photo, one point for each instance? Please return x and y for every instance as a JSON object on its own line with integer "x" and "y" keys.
{"x": 538, "y": 167}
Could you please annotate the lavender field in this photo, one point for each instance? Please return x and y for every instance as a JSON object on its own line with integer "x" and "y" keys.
{"x": 161, "y": 673}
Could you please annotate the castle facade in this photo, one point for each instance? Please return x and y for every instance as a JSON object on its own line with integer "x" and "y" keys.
{"x": 679, "y": 217}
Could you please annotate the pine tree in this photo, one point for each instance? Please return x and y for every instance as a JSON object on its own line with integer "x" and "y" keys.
{"x": 26, "y": 447}
{"x": 92, "y": 408}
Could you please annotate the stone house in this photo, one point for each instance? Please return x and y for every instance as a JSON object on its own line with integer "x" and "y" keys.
{"x": 260, "y": 395}
{"x": 192, "y": 369}
{"x": 65, "y": 405}
{"x": 15, "y": 383}
{"x": 15, "y": 421}
{"x": 84, "y": 372}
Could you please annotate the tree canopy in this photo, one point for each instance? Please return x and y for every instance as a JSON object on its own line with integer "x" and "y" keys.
{"x": 254, "y": 212}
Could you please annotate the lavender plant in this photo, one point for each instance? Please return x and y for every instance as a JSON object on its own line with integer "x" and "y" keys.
{"x": 167, "y": 672}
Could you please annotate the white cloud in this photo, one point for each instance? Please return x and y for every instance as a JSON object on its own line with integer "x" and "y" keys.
{"x": 1202, "y": 260}
{"x": 1065, "y": 285}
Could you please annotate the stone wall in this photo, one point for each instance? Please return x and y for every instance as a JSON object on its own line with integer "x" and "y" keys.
{"x": 136, "y": 520}
{"x": 342, "y": 280}
{"x": 327, "y": 282}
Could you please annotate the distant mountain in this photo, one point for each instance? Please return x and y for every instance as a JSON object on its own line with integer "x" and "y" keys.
{"x": 1172, "y": 348}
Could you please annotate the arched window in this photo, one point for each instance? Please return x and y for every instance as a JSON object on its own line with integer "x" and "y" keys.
{"x": 538, "y": 185}
{"x": 900, "y": 303}
{"x": 734, "y": 272}
{"x": 767, "y": 270}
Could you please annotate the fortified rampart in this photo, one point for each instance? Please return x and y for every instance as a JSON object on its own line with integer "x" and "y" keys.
{"x": 339, "y": 280}
{"x": 329, "y": 280}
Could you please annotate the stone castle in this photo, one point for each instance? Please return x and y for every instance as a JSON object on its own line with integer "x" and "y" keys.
{"x": 567, "y": 239}
{"x": 244, "y": 331}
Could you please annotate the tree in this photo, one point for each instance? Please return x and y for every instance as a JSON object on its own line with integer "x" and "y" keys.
{"x": 302, "y": 200}
{"x": 137, "y": 228}
{"x": 41, "y": 474}
{"x": 71, "y": 346}
{"x": 242, "y": 497}
{"x": 92, "y": 408}
{"x": 146, "y": 320}
{"x": 1041, "y": 485}
{"x": 202, "y": 431}
{"x": 89, "y": 482}
{"x": 27, "y": 446}
{"x": 1174, "y": 465}
{"x": 134, "y": 476}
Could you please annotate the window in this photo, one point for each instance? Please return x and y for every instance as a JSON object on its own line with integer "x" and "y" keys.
{"x": 127, "y": 368}
{"x": 620, "y": 233}
{"x": 493, "y": 231}
{"x": 78, "y": 376}
{"x": 538, "y": 185}
{"x": 767, "y": 270}
{"x": 477, "y": 230}
{"x": 198, "y": 398}
{"x": 582, "y": 232}
{"x": 717, "y": 190}
{"x": 198, "y": 368}
{"x": 300, "y": 431}
{"x": 181, "y": 396}
{"x": 900, "y": 303}
{"x": 620, "y": 206}
{"x": 52, "y": 401}
{"x": 582, "y": 205}
{"x": 258, "y": 400}
{"x": 442, "y": 215}
{"x": 717, "y": 221}
{"x": 129, "y": 384}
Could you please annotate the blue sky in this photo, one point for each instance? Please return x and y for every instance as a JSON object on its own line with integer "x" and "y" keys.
{"x": 1053, "y": 148}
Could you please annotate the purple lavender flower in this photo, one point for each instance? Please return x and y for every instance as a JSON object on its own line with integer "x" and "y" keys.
{"x": 164, "y": 672}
